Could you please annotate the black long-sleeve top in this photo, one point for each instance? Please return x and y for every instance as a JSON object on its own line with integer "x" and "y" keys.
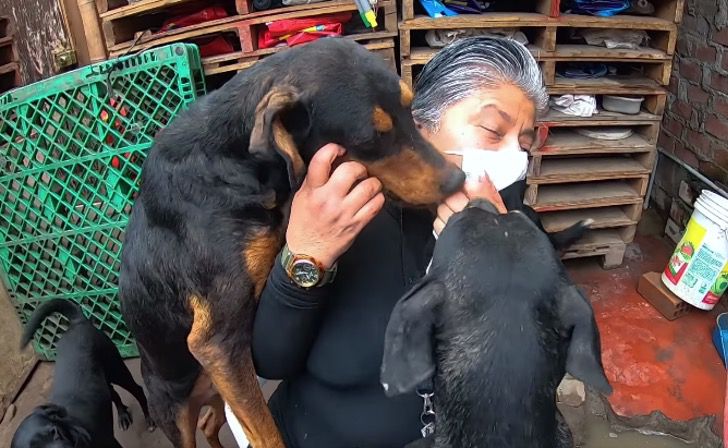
{"x": 326, "y": 343}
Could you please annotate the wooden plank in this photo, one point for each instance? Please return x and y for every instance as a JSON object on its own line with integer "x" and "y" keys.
{"x": 141, "y": 7}
{"x": 485, "y": 20}
{"x": 295, "y": 12}
{"x": 106, "y": 5}
{"x": 422, "y": 55}
{"x": 566, "y": 52}
{"x": 226, "y": 24}
{"x": 565, "y": 142}
{"x": 617, "y": 22}
{"x": 233, "y": 62}
{"x": 586, "y": 194}
{"x": 603, "y": 217}
{"x": 555, "y": 118}
{"x": 606, "y": 85}
{"x": 580, "y": 169}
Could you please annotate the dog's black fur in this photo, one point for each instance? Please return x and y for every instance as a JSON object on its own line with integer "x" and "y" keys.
{"x": 495, "y": 323}
{"x": 210, "y": 216}
{"x": 78, "y": 413}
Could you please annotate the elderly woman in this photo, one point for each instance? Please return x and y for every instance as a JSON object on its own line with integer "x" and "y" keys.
{"x": 325, "y": 342}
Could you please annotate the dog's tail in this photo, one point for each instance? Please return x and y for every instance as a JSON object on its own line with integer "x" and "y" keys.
{"x": 68, "y": 308}
{"x": 565, "y": 238}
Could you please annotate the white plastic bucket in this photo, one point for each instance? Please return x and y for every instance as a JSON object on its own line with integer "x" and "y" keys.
{"x": 698, "y": 269}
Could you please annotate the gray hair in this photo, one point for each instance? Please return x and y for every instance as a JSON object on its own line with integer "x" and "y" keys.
{"x": 470, "y": 64}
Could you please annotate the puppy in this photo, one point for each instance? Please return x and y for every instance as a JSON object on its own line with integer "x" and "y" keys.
{"x": 211, "y": 215}
{"x": 495, "y": 324}
{"x": 78, "y": 414}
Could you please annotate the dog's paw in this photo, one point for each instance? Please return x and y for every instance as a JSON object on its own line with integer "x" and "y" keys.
{"x": 151, "y": 426}
{"x": 125, "y": 418}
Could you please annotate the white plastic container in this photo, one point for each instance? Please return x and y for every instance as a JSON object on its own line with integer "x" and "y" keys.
{"x": 622, "y": 104}
{"x": 698, "y": 269}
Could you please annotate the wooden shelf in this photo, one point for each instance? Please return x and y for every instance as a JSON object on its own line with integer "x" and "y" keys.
{"x": 616, "y": 22}
{"x": 588, "y": 53}
{"x": 588, "y": 169}
{"x": 422, "y": 55}
{"x": 485, "y": 20}
{"x": 585, "y": 195}
{"x": 603, "y": 217}
{"x": 608, "y": 85}
{"x": 603, "y": 118}
{"x": 143, "y": 7}
{"x": 237, "y": 61}
{"x": 567, "y": 142}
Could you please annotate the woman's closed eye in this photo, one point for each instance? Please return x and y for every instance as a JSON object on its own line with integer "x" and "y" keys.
{"x": 491, "y": 132}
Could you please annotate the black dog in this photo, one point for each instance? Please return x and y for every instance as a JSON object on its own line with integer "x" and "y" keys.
{"x": 78, "y": 414}
{"x": 495, "y": 323}
{"x": 211, "y": 214}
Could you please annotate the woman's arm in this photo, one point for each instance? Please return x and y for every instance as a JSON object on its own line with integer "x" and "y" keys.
{"x": 327, "y": 213}
{"x": 286, "y": 325}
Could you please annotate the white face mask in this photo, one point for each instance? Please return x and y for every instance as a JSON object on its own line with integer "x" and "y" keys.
{"x": 503, "y": 167}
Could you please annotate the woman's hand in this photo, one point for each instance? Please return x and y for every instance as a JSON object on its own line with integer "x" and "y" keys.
{"x": 482, "y": 189}
{"x": 330, "y": 209}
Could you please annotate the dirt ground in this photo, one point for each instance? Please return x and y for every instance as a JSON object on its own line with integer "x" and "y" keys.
{"x": 597, "y": 433}
{"x": 589, "y": 426}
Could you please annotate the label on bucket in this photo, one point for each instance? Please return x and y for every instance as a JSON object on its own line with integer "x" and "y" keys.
{"x": 698, "y": 270}
{"x": 703, "y": 272}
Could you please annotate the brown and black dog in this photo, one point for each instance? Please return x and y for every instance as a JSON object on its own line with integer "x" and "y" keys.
{"x": 210, "y": 218}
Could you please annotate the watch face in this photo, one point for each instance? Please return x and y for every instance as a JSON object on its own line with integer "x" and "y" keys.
{"x": 305, "y": 273}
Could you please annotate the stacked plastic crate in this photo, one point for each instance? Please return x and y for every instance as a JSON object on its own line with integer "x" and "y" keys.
{"x": 71, "y": 152}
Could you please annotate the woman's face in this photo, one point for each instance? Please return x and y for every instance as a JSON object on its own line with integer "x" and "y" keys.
{"x": 494, "y": 119}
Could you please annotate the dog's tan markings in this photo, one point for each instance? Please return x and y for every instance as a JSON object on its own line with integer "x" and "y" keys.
{"x": 213, "y": 421}
{"x": 405, "y": 94}
{"x": 285, "y": 144}
{"x": 382, "y": 120}
{"x": 409, "y": 177}
{"x": 234, "y": 378}
{"x": 266, "y": 111}
{"x": 259, "y": 255}
{"x": 185, "y": 422}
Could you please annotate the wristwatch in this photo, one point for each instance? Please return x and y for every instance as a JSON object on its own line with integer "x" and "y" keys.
{"x": 305, "y": 271}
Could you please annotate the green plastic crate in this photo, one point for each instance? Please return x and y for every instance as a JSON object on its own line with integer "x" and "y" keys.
{"x": 71, "y": 152}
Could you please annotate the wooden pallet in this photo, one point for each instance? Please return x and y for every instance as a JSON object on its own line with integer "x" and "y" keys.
{"x": 565, "y": 141}
{"x": 542, "y": 28}
{"x": 121, "y": 34}
{"x": 10, "y": 77}
{"x": 235, "y": 62}
{"x": 8, "y": 51}
{"x": 609, "y": 244}
{"x": 670, "y": 10}
{"x": 572, "y": 196}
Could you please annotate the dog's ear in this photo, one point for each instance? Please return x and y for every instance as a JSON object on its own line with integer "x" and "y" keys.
{"x": 408, "y": 349}
{"x": 584, "y": 355}
{"x": 269, "y": 133}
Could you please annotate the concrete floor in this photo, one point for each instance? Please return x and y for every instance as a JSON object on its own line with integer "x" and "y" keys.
{"x": 653, "y": 364}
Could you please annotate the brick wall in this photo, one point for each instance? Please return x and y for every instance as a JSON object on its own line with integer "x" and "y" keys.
{"x": 695, "y": 125}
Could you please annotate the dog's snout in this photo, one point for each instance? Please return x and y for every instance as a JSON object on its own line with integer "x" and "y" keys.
{"x": 452, "y": 182}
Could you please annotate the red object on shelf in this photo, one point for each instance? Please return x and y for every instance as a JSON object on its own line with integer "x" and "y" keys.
{"x": 299, "y": 31}
{"x": 203, "y": 15}
{"x": 214, "y": 46}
